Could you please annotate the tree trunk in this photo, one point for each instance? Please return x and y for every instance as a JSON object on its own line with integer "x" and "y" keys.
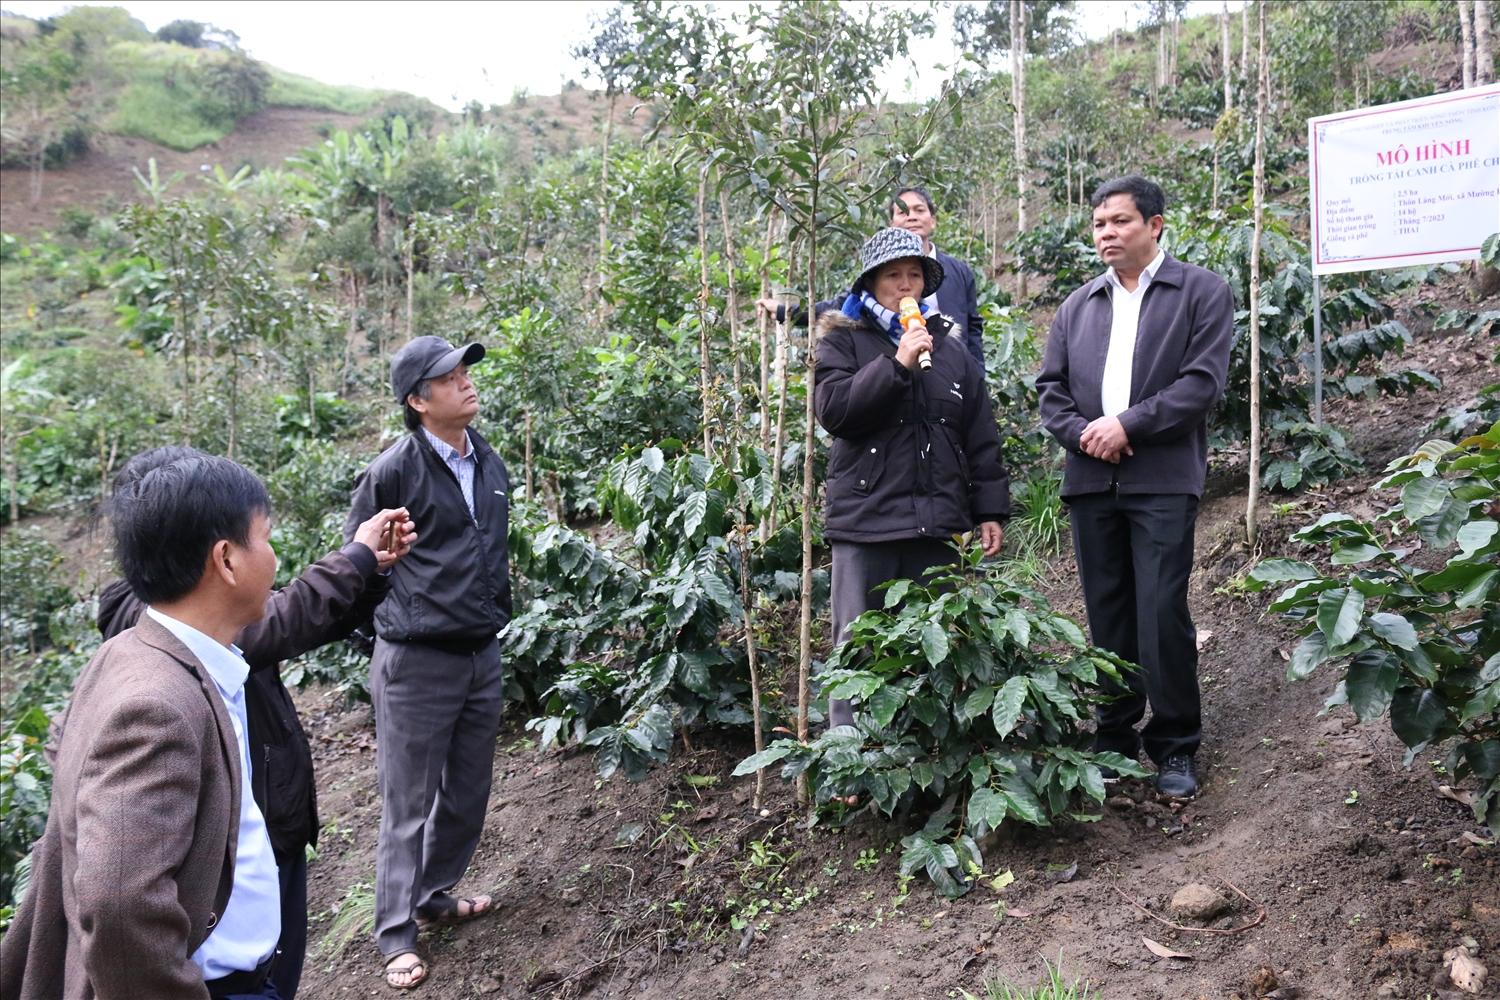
{"x": 1018, "y": 99}
{"x": 411, "y": 253}
{"x": 747, "y": 606}
{"x": 1484, "y": 54}
{"x": 705, "y": 372}
{"x": 731, "y": 309}
{"x": 1244, "y": 45}
{"x": 609, "y": 125}
{"x": 312, "y": 398}
{"x": 13, "y": 468}
{"x": 765, "y": 343}
{"x": 1466, "y": 34}
{"x": 1227, "y": 64}
{"x": 1262, "y": 85}
{"x": 530, "y": 468}
{"x": 234, "y": 392}
{"x": 809, "y": 486}
{"x": 38, "y": 166}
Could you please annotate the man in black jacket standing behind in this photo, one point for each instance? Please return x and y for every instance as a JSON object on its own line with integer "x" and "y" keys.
{"x": 436, "y": 676}
{"x": 1135, "y": 361}
{"x": 912, "y": 209}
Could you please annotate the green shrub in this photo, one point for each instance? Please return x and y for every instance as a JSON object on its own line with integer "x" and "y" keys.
{"x": 288, "y": 90}
{"x": 975, "y": 693}
{"x": 29, "y": 589}
{"x": 1422, "y": 646}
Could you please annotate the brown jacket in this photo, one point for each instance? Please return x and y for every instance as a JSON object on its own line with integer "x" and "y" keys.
{"x": 138, "y": 858}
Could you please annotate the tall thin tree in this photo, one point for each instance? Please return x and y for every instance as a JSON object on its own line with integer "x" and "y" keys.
{"x": 1226, "y": 62}
{"x": 1484, "y": 53}
{"x": 1262, "y": 86}
{"x": 1466, "y": 35}
{"x": 1018, "y": 101}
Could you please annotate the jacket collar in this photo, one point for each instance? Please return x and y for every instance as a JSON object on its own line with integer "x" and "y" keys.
{"x": 481, "y": 448}
{"x": 1170, "y": 273}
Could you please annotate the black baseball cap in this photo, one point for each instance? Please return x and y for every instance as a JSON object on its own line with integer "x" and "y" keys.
{"x": 428, "y": 357}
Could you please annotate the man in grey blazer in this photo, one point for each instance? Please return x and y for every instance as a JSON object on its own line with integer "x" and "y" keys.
{"x": 1135, "y": 361}
{"x": 156, "y": 876}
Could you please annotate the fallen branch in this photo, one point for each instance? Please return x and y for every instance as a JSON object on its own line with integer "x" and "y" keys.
{"x": 1260, "y": 916}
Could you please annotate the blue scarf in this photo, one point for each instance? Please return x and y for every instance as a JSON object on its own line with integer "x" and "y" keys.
{"x": 883, "y": 316}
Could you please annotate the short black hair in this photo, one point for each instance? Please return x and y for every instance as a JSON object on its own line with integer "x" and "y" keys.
{"x": 1150, "y": 199}
{"x": 155, "y": 458}
{"x": 898, "y": 201}
{"x": 167, "y": 522}
{"x": 413, "y": 419}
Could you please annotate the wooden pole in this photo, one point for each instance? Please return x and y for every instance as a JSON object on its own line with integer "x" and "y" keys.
{"x": 747, "y": 605}
{"x": 1261, "y": 87}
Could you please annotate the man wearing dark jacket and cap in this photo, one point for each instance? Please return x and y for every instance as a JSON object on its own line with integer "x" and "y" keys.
{"x": 436, "y": 677}
{"x": 1136, "y": 360}
{"x": 333, "y": 597}
{"x": 916, "y": 451}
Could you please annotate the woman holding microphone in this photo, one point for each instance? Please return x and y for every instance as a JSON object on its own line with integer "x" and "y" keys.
{"x": 916, "y": 452}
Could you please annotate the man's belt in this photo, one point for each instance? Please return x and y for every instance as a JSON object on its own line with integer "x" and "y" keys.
{"x": 242, "y": 982}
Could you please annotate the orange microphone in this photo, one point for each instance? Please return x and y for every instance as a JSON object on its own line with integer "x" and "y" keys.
{"x": 911, "y": 317}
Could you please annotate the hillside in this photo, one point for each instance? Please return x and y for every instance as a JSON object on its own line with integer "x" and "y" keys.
{"x": 667, "y": 481}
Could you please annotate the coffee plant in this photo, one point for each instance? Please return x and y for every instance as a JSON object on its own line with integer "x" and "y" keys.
{"x": 974, "y": 694}
{"x": 1420, "y": 645}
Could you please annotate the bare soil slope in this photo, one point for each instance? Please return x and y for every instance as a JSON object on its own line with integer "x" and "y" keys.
{"x": 1363, "y": 893}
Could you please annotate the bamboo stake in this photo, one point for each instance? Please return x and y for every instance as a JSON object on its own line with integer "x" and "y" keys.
{"x": 809, "y": 495}
{"x": 1261, "y": 87}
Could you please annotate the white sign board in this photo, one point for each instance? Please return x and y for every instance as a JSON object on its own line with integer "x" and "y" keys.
{"x": 1411, "y": 183}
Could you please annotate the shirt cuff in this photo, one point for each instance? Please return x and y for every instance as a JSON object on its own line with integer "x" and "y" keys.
{"x": 362, "y": 556}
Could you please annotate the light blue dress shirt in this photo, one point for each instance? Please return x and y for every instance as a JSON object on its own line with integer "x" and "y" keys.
{"x": 462, "y": 465}
{"x": 250, "y": 926}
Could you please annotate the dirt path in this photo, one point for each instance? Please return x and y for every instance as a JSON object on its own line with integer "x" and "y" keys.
{"x": 1363, "y": 892}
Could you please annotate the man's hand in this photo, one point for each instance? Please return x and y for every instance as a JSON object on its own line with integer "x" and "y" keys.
{"x": 375, "y": 533}
{"x": 766, "y": 307}
{"x": 1105, "y": 439}
{"x": 990, "y": 537}
{"x": 913, "y": 342}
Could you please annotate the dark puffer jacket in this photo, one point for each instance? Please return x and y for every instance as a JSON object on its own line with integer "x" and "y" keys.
{"x": 915, "y": 454}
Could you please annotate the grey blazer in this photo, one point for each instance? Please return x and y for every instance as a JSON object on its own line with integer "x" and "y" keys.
{"x": 137, "y": 862}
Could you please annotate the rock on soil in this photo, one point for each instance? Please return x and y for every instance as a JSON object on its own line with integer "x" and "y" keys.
{"x": 1197, "y": 901}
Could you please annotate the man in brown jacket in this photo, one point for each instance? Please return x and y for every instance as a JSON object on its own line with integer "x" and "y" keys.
{"x": 154, "y": 877}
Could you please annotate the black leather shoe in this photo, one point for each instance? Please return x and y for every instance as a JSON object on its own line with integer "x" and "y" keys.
{"x": 1108, "y": 773}
{"x": 1174, "y": 777}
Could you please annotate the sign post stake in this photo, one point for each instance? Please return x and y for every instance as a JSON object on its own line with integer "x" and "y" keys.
{"x": 1317, "y": 349}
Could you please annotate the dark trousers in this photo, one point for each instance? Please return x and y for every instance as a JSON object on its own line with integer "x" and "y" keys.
{"x": 293, "y": 944}
{"x": 1135, "y": 553}
{"x": 436, "y": 717}
{"x": 858, "y": 568}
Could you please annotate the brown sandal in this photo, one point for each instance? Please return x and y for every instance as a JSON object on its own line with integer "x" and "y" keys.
{"x": 479, "y": 906}
{"x": 416, "y": 970}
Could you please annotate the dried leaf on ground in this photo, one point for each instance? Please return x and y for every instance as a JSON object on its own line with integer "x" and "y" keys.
{"x": 1162, "y": 951}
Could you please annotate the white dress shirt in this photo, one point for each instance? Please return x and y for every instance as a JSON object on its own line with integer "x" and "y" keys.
{"x": 931, "y": 300}
{"x": 1120, "y": 361}
{"x": 250, "y": 926}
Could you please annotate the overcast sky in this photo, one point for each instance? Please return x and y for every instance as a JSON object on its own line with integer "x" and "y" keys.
{"x": 455, "y": 52}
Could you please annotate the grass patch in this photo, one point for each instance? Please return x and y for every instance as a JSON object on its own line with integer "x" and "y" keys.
{"x": 288, "y": 90}
{"x": 160, "y": 102}
{"x": 1052, "y": 987}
